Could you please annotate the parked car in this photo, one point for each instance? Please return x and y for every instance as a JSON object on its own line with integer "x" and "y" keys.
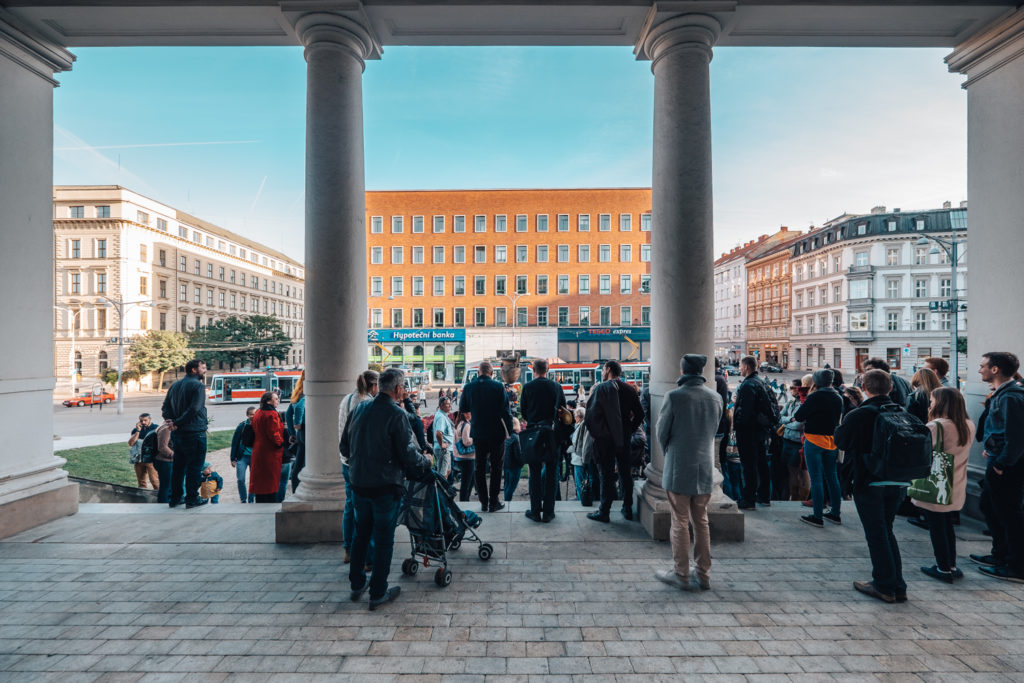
{"x": 731, "y": 370}
{"x": 768, "y": 367}
{"x": 89, "y": 399}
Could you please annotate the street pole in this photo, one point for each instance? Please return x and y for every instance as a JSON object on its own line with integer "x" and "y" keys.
{"x": 955, "y": 305}
{"x": 120, "y": 357}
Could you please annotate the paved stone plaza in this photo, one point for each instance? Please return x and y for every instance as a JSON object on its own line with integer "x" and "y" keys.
{"x": 128, "y": 593}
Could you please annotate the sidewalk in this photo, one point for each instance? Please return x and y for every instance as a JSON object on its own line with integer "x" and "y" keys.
{"x": 68, "y": 442}
{"x": 147, "y": 593}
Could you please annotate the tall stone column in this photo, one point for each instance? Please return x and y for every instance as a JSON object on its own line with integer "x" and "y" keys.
{"x": 335, "y": 298}
{"x": 993, "y": 62}
{"x": 33, "y": 487}
{"x": 682, "y": 291}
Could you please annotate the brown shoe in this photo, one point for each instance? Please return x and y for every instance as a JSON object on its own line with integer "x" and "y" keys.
{"x": 348, "y": 557}
{"x": 868, "y": 588}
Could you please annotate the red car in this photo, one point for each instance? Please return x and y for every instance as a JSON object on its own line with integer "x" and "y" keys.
{"x": 89, "y": 399}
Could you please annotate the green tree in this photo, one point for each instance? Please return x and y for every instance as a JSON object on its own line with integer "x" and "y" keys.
{"x": 266, "y": 340}
{"x": 109, "y": 376}
{"x": 160, "y": 351}
{"x": 961, "y": 344}
{"x": 251, "y": 340}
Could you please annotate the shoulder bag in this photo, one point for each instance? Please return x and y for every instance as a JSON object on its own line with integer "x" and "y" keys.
{"x": 937, "y": 487}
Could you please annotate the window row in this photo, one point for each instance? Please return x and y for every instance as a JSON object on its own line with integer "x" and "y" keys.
{"x": 541, "y": 316}
{"x": 225, "y": 275}
{"x": 502, "y": 285}
{"x": 519, "y": 253}
{"x": 500, "y": 222}
{"x": 233, "y": 300}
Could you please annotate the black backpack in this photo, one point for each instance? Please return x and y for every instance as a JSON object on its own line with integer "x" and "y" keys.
{"x": 901, "y": 446}
{"x": 148, "y": 450}
{"x": 248, "y": 436}
{"x": 768, "y": 412}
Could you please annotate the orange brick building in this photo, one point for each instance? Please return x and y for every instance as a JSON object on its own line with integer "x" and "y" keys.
{"x": 504, "y": 269}
{"x": 768, "y": 302}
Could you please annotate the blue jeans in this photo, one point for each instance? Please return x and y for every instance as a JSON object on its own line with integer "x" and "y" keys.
{"x": 241, "y": 467}
{"x": 163, "y": 472}
{"x": 282, "y": 489}
{"x": 876, "y": 506}
{"x": 511, "y": 482}
{"x": 189, "y": 456}
{"x": 376, "y": 519}
{"x": 580, "y": 475}
{"x": 822, "y": 463}
{"x": 348, "y": 518}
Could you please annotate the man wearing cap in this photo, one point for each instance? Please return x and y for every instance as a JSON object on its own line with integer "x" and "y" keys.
{"x": 686, "y": 431}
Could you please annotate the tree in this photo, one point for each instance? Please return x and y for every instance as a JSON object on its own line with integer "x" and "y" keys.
{"x": 266, "y": 340}
{"x": 251, "y": 340}
{"x": 159, "y": 351}
{"x": 961, "y": 344}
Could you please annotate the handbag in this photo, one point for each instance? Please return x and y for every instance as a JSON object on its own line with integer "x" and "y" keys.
{"x": 535, "y": 444}
{"x": 937, "y": 487}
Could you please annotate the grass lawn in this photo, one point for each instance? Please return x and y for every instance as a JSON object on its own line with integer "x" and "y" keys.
{"x": 109, "y": 462}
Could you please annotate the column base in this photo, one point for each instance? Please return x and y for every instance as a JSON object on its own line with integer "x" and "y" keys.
{"x": 655, "y": 515}
{"x": 306, "y": 522}
{"x": 39, "y": 508}
{"x": 724, "y": 518}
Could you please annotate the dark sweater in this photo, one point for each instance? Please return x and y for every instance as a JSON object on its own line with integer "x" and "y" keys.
{"x": 856, "y": 434}
{"x": 541, "y": 398}
{"x": 821, "y": 412}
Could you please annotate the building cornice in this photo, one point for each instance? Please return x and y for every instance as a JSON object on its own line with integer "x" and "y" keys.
{"x": 33, "y": 52}
{"x": 999, "y": 43}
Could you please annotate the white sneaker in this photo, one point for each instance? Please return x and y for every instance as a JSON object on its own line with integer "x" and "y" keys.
{"x": 671, "y": 578}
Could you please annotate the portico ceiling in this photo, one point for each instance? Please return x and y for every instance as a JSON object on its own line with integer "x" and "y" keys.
{"x": 882, "y": 23}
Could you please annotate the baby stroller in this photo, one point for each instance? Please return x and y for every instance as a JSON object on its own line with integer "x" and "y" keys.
{"x": 436, "y": 525}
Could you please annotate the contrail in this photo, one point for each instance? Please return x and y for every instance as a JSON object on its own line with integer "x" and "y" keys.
{"x": 159, "y": 144}
{"x": 258, "y": 193}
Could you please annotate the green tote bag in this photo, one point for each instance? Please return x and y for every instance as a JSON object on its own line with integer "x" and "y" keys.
{"x": 937, "y": 487}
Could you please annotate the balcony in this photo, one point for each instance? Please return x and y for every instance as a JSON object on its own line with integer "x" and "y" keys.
{"x": 860, "y": 335}
{"x": 861, "y": 270}
{"x": 861, "y": 304}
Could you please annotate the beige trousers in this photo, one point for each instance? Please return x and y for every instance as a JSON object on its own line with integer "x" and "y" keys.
{"x": 687, "y": 510}
{"x": 144, "y": 471}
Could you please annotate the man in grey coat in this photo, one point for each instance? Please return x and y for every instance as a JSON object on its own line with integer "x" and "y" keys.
{"x": 686, "y": 431}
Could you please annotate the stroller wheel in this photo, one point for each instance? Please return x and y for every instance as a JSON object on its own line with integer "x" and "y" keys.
{"x": 485, "y": 552}
{"x": 456, "y": 544}
{"x": 410, "y": 566}
{"x": 443, "y": 577}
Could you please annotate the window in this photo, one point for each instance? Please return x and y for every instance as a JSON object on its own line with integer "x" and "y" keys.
{"x": 944, "y": 321}
{"x": 920, "y": 256}
{"x": 377, "y": 317}
{"x": 417, "y": 285}
{"x": 542, "y": 222}
{"x": 209, "y": 297}
{"x": 417, "y": 317}
{"x": 417, "y": 255}
{"x": 500, "y": 253}
{"x": 542, "y": 284}
{"x": 438, "y": 318}
{"x": 645, "y": 284}
{"x": 479, "y": 317}
{"x": 198, "y": 322}
{"x": 583, "y": 253}
{"x": 522, "y": 317}
{"x": 522, "y": 251}
{"x": 182, "y": 292}
{"x": 142, "y": 217}
{"x": 625, "y": 315}
{"x": 500, "y": 285}
{"x": 563, "y": 253}
{"x": 625, "y": 253}
{"x": 397, "y": 227}
{"x": 542, "y": 316}
{"x": 836, "y": 293}
{"x": 417, "y": 227}
{"x": 376, "y": 224}
{"x": 78, "y": 212}
{"x": 604, "y": 284}
{"x": 397, "y": 286}
{"x": 625, "y": 222}
{"x": 501, "y": 223}
{"x": 479, "y": 254}
{"x": 521, "y": 284}
{"x": 438, "y": 255}
{"x": 920, "y": 321}
{"x": 645, "y": 222}
{"x": 584, "y": 315}
{"x": 605, "y": 315}
{"x": 890, "y": 225}
{"x": 479, "y": 285}
{"x": 143, "y": 284}
{"x": 460, "y": 317}
{"x": 583, "y": 222}
{"x": 76, "y": 283}
{"x": 583, "y": 284}
{"x": 625, "y": 284}
{"x": 459, "y": 285}
{"x": 920, "y": 289}
{"x": 102, "y": 212}
{"x": 438, "y": 288}
{"x": 604, "y": 253}
{"x": 542, "y": 253}
{"x": 396, "y": 317}
{"x": 645, "y": 316}
{"x": 101, "y": 249}
{"x": 438, "y": 224}
{"x": 645, "y": 253}
{"x": 397, "y": 255}
{"x": 459, "y": 255}
{"x": 500, "y": 317}
{"x": 163, "y": 320}
{"x": 479, "y": 223}
{"x": 604, "y": 222}
{"x": 76, "y": 248}
{"x": 221, "y": 300}
{"x": 861, "y": 258}
{"x": 563, "y": 316}
{"x": 859, "y": 289}
{"x": 232, "y": 277}
{"x": 892, "y": 322}
{"x": 522, "y": 225}
{"x": 945, "y": 288}
{"x": 197, "y": 295}
{"x": 376, "y": 255}
{"x": 892, "y": 357}
{"x": 163, "y": 289}
{"x": 918, "y": 224}
{"x": 892, "y": 289}
{"x": 862, "y": 228}
{"x": 892, "y": 256}
{"x": 563, "y": 284}
{"x": 459, "y": 224}
{"x": 858, "y": 321}
{"x": 563, "y": 222}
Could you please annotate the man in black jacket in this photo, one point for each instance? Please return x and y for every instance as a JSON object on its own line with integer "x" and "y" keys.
{"x": 751, "y": 424}
{"x": 539, "y": 403}
{"x": 876, "y": 501}
{"x": 490, "y": 424}
{"x": 378, "y": 444}
{"x": 900, "y": 388}
{"x": 184, "y": 409}
{"x": 613, "y": 414}
{"x": 241, "y": 454}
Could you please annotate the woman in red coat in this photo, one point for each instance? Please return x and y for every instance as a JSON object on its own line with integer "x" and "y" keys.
{"x": 267, "y": 450}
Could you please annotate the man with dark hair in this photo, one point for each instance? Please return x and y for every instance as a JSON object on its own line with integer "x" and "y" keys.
{"x": 485, "y": 398}
{"x": 900, "y": 389}
{"x": 876, "y": 501}
{"x": 1002, "y": 432}
{"x": 613, "y": 414}
{"x": 240, "y": 454}
{"x": 539, "y": 403}
{"x": 378, "y": 444}
{"x": 144, "y": 470}
{"x": 941, "y": 368}
{"x": 184, "y": 409}
{"x": 752, "y": 423}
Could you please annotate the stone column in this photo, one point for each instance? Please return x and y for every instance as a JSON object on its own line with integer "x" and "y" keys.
{"x": 682, "y": 268}
{"x": 335, "y": 289}
{"x": 992, "y": 61}
{"x": 33, "y": 487}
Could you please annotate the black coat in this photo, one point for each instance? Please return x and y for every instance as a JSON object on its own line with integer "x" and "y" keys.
{"x": 821, "y": 412}
{"x": 541, "y": 398}
{"x": 855, "y": 436}
{"x": 486, "y": 400}
{"x": 377, "y": 442}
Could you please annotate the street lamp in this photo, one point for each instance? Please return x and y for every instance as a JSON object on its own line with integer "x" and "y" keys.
{"x": 74, "y": 314}
{"x": 952, "y": 249}
{"x": 121, "y": 306}
{"x": 515, "y": 313}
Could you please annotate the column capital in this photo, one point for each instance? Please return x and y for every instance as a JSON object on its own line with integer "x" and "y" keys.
{"x": 992, "y": 47}
{"x": 348, "y": 31}
{"x": 34, "y": 53}
{"x": 680, "y": 32}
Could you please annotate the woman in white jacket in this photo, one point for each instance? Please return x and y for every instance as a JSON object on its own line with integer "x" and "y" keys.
{"x": 582, "y": 449}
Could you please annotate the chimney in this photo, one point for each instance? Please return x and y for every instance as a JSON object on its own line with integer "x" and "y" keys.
{"x": 896, "y": 210}
{"x": 963, "y": 204}
{"x": 783, "y": 228}
{"x": 947, "y": 205}
{"x": 877, "y": 209}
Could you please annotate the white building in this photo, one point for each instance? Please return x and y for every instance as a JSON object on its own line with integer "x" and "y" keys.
{"x": 177, "y": 272}
{"x": 869, "y": 286}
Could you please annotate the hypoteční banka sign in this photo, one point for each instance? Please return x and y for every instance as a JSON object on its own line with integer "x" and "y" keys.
{"x": 434, "y": 334}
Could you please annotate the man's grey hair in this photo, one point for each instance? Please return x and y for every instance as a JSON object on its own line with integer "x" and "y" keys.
{"x": 580, "y": 412}
{"x": 391, "y": 379}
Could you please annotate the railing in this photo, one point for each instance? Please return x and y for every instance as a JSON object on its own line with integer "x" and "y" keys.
{"x": 860, "y": 270}
{"x": 860, "y": 335}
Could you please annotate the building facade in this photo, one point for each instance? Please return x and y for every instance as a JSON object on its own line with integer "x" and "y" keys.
{"x": 768, "y": 301}
{"x": 458, "y": 276}
{"x": 173, "y": 271}
{"x": 888, "y": 285}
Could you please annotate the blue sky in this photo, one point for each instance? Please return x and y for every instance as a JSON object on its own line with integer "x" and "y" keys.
{"x": 799, "y": 135}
